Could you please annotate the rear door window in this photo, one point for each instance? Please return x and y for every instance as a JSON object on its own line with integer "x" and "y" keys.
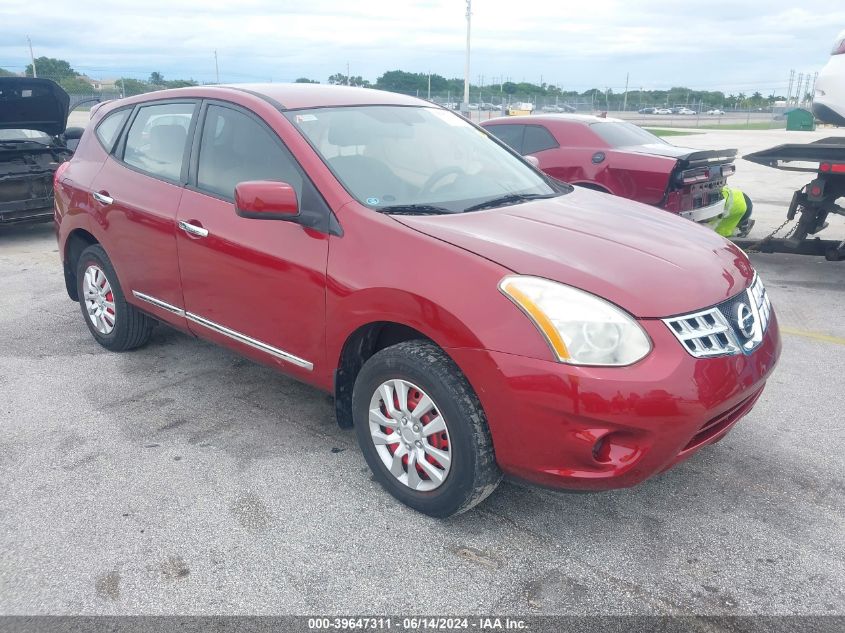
{"x": 509, "y": 134}
{"x": 110, "y": 127}
{"x": 536, "y": 139}
{"x": 158, "y": 138}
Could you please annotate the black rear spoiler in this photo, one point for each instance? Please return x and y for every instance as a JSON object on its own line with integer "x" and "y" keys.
{"x": 830, "y": 149}
{"x": 707, "y": 157}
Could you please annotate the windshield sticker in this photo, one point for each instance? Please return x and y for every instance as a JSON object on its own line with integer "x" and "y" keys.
{"x": 372, "y": 201}
{"x": 303, "y": 118}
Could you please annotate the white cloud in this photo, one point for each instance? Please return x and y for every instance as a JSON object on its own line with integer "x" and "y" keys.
{"x": 578, "y": 44}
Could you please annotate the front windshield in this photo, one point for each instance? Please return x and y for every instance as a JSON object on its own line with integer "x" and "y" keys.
{"x": 394, "y": 157}
{"x": 24, "y": 135}
{"x": 623, "y": 134}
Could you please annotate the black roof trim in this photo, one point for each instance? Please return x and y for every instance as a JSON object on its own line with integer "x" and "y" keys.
{"x": 260, "y": 95}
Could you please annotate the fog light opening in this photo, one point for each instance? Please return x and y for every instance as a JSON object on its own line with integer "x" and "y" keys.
{"x": 601, "y": 449}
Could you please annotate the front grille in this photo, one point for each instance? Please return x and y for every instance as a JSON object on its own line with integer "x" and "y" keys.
{"x": 732, "y": 327}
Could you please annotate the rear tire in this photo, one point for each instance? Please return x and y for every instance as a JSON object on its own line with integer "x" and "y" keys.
{"x": 423, "y": 373}
{"x": 114, "y": 324}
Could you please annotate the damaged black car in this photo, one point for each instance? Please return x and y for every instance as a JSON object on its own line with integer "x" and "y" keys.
{"x": 34, "y": 141}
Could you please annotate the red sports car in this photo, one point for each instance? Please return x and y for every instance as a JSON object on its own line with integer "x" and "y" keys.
{"x": 471, "y": 315}
{"x": 618, "y": 157}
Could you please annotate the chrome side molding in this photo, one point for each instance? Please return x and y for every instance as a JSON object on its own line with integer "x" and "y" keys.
{"x": 159, "y": 303}
{"x": 232, "y": 334}
{"x": 246, "y": 340}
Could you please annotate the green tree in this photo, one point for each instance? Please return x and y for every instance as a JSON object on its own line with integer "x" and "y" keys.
{"x": 178, "y": 83}
{"x": 133, "y": 86}
{"x": 509, "y": 88}
{"x": 401, "y": 81}
{"x": 305, "y": 80}
{"x": 51, "y": 68}
{"x": 156, "y": 79}
{"x": 76, "y": 85}
{"x": 6, "y": 73}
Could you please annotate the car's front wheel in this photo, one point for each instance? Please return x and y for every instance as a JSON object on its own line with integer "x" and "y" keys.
{"x": 422, "y": 429}
{"x": 114, "y": 324}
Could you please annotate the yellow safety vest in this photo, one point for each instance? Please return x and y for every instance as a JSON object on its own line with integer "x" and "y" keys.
{"x": 735, "y": 208}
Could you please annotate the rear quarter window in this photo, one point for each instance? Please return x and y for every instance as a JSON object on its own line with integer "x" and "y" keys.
{"x": 509, "y": 134}
{"x": 536, "y": 139}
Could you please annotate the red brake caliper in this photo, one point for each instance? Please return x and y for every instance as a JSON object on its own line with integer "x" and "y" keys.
{"x": 109, "y": 296}
{"x": 438, "y": 440}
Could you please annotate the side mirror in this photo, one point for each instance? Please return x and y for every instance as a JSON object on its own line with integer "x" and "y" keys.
{"x": 73, "y": 133}
{"x": 266, "y": 200}
{"x": 533, "y": 160}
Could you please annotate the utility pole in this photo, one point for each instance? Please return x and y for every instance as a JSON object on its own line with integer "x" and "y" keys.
{"x": 31, "y": 56}
{"x": 813, "y": 89}
{"x": 789, "y": 91}
{"x": 625, "y": 100}
{"x": 798, "y": 97}
{"x": 465, "y": 107}
{"x": 216, "y": 68}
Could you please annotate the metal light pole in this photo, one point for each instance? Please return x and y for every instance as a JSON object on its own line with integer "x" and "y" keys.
{"x": 789, "y": 91}
{"x": 32, "y": 57}
{"x": 216, "y": 68}
{"x": 625, "y": 102}
{"x": 465, "y": 105}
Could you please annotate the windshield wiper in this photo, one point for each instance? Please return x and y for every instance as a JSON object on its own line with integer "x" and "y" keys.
{"x": 511, "y": 198}
{"x": 413, "y": 209}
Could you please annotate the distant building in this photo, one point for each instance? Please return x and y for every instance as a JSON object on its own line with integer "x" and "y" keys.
{"x": 101, "y": 84}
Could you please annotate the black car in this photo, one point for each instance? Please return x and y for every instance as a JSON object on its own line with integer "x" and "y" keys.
{"x": 34, "y": 141}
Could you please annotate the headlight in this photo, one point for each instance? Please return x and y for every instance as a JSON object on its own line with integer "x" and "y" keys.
{"x": 581, "y": 328}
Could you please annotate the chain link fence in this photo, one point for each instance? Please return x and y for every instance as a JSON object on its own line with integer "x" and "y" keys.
{"x": 489, "y": 103}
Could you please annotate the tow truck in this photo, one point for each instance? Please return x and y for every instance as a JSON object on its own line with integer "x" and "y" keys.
{"x": 815, "y": 201}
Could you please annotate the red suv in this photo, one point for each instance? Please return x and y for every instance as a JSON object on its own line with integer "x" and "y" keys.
{"x": 471, "y": 316}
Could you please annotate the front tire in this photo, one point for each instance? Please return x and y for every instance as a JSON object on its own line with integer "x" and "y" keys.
{"x": 114, "y": 324}
{"x": 422, "y": 430}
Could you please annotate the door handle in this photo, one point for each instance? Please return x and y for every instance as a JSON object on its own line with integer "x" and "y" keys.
{"x": 192, "y": 229}
{"x": 102, "y": 198}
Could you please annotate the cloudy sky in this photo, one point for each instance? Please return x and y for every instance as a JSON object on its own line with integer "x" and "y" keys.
{"x": 732, "y": 45}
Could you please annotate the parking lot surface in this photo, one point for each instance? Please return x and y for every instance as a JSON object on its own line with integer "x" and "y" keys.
{"x": 181, "y": 478}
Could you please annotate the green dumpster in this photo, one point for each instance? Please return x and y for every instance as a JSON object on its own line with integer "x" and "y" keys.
{"x": 800, "y": 119}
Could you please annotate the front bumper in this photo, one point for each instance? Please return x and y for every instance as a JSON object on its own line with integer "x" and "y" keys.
{"x": 597, "y": 428}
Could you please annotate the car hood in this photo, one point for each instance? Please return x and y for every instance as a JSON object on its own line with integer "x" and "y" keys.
{"x": 33, "y": 104}
{"x": 647, "y": 261}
